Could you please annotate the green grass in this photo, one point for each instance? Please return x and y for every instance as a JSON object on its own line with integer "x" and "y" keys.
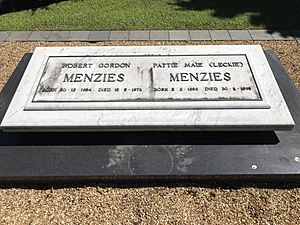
{"x": 149, "y": 14}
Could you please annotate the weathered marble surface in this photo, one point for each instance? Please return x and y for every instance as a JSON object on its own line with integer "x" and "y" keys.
{"x": 146, "y": 78}
{"x": 158, "y": 88}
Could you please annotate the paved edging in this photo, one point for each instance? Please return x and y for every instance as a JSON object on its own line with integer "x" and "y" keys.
{"x": 150, "y": 35}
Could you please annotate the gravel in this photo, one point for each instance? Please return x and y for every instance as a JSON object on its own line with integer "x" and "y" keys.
{"x": 180, "y": 203}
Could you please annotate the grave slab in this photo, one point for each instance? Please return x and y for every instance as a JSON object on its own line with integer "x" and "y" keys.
{"x": 258, "y": 35}
{"x": 99, "y": 35}
{"x": 282, "y": 35}
{"x": 200, "y": 35}
{"x": 39, "y": 36}
{"x": 78, "y": 35}
{"x": 4, "y": 35}
{"x": 148, "y": 88}
{"x": 159, "y": 35}
{"x": 59, "y": 36}
{"x": 19, "y": 36}
{"x": 240, "y": 35}
{"x": 179, "y": 35}
{"x": 119, "y": 36}
{"x": 230, "y": 157}
{"x": 219, "y": 35}
{"x": 139, "y": 35}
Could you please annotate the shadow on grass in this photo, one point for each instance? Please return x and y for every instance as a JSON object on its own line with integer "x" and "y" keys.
{"x": 7, "y": 6}
{"x": 274, "y": 15}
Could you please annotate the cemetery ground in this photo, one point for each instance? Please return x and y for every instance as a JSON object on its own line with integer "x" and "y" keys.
{"x": 177, "y": 203}
{"x": 148, "y": 14}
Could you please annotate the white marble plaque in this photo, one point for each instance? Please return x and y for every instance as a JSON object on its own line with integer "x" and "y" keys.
{"x": 144, "y": 78}
{"x": 146, "y": 88}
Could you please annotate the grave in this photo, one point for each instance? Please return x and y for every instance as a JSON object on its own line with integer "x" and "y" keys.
{"x": 144, "y": 88}
{"x": 221, "y": 113}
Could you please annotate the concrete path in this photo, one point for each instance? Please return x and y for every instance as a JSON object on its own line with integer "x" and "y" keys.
{"x": 150, "y": 35}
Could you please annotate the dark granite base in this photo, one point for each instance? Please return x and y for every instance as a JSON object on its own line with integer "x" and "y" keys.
{"x": 145, "y": 156}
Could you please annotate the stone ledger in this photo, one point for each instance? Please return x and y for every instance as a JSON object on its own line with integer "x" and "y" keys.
{"x": 148, "y": 88}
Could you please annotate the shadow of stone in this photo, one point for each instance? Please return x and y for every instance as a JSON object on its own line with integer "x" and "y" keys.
{"x": 164, "y": 183}
{"x": 139, "y": 138}
{"x": 273, "y": 15}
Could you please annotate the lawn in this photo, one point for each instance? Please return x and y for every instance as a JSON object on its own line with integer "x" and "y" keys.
{"x": 148, "y": 14}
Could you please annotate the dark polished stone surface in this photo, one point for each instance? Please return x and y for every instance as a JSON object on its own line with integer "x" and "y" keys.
{"x": 132, "y": 156}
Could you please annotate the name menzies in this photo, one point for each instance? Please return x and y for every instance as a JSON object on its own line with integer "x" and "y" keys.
{"x": 112, "y": 77}
{"x": 94, "y": 77}
{"x": 203, "y": 76}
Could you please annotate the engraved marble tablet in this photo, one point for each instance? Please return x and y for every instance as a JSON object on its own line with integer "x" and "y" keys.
{"x": 148, "y": 88}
